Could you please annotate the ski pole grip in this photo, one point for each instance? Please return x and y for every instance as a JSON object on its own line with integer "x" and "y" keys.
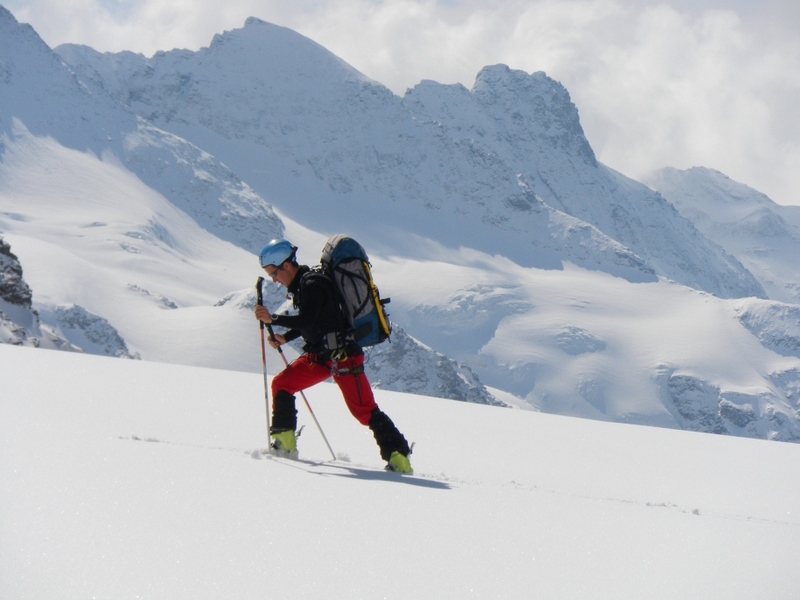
{"x": 260, "y": 295}
{"x": 260, "y": 300}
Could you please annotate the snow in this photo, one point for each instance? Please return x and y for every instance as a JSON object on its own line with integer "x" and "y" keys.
{"x": 764, "y": 236}
{"x": 513, "y": 259}
{"x": 137, "y": 479}
{"x": 562, "y": 341}
{"x": 144, "y": 478}
{"x": 503, "y": 168}
{"x": 115, "y": 247}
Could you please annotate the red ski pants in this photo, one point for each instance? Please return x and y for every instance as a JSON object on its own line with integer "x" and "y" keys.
{"x": 348, "y": 374}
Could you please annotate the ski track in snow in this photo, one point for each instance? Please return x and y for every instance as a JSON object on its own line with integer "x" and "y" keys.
{"x": 344, "y": 468}
{"x": 142, "y": 479}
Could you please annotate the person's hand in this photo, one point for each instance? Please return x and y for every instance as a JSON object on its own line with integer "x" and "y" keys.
{"x": 262, "y": 314}
{"x": 277, "y": 340}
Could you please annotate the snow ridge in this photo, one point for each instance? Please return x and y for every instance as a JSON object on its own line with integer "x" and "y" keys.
{"x": 508, "y": 157}
{"x": 764, "y": 236}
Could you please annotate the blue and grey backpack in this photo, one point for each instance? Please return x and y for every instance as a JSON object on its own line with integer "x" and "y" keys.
{"x": 345, "y": 261}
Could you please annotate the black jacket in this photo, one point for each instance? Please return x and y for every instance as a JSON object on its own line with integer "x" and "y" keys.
{"x": 318, "y": 311}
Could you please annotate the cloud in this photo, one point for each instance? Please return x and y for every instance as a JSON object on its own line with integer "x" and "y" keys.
{"x": 657, "y": 84}
{"x": 679, "y": 91}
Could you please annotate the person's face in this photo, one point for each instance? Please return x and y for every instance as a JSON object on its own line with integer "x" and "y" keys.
{"x": 279, "y": 274}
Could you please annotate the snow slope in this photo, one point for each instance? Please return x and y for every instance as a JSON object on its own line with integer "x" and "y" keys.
{"x": 122, "y": 271}
{"x": 126, "y": 479}
{"x": 40, "y": 96}
{"x": 562, "y": 340}
{"x": 764, "y": 236}
{"x": 116, "y": 248}
{"x": 503, "y": 168}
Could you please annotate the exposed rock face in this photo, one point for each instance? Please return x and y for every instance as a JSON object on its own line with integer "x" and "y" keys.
{"x": 13, "y": 288}
{"x": 19, "y": 322}
{"x": 406, "y": 365}
{"x": 699, "y": 405}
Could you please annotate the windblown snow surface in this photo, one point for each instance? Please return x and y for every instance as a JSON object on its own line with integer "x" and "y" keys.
{"x": 132, "y": 479}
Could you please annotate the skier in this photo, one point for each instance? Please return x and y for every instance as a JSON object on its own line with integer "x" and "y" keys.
{"x": 322, "y": 324}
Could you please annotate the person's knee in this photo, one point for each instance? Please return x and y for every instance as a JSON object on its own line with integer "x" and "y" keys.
{"x": 279, "y": 384}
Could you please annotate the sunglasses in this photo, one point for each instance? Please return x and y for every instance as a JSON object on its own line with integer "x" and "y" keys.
{"x": 274, "y": 274}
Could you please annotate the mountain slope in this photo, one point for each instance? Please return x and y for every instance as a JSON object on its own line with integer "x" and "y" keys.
{"x": 40, "y": 95}
{"x": 764, "y": 236}
{"x": 141, "y": 239}
{"x": 173, "y": 263}
{"x": 119, "y": 270}
{"x": 34, "y": 83}
{"x": 504, "y": 168}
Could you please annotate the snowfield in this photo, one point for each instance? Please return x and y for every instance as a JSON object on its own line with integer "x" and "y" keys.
{"x": 132, "y": 479}
{"x": 113, "y": 256}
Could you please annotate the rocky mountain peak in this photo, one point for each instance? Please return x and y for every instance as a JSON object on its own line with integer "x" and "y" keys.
{"x": 531, "y": 106}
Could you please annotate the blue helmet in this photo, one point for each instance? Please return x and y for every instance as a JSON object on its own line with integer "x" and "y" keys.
{"x": 277, "y": 252}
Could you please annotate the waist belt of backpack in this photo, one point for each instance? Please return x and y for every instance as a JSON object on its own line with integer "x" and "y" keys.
{"x": 337, "y": 340}
{"x": 336, "y": 343}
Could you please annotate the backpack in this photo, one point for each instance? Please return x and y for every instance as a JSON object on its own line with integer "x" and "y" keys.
{"x": 345, "y": 262}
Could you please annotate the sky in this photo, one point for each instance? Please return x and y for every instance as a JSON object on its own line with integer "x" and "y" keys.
{"x": 679, "y": 83}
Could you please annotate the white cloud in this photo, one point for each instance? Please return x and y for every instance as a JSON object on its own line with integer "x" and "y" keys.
{"x": 656, "y": 86}
{"x": 697, "y": 91}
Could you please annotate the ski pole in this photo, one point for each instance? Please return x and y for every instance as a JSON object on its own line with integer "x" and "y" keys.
{"x": 303, "y": 396}
{"x": 260, "y": 300}
{"x": 285, "y": 362}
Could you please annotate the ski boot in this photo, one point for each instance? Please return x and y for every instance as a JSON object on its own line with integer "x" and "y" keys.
{"x": 284, "y": 443}
{"x": 399, "y": 464}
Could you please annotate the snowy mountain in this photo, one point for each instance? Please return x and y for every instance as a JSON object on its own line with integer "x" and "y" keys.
{"x": 42, "y": 97}
{"x": 136, "y": 191}
{"x": 334, "y": 150}
{"x": 191, "y": 194}
{"x": 762, "y": 235}
{"x": 90, "y": 333}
